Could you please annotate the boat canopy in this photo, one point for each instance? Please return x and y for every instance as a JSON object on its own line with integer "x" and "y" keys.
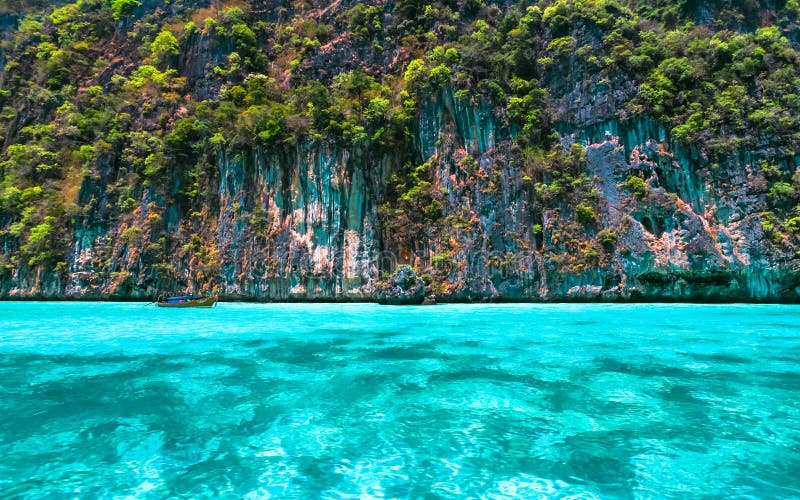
{"x": 177, "y": 299}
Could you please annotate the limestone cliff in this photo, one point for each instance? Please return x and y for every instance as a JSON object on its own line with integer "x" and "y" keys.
{"x": 241, "y": 161}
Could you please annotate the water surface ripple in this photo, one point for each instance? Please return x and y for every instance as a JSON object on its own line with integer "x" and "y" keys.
{"x": 361, "y": 401}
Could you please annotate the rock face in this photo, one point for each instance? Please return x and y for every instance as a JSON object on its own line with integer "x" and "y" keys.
{"x": 403, "y": 288}
{"x": 305, "y": 225}
{"x": 321, "y": 219}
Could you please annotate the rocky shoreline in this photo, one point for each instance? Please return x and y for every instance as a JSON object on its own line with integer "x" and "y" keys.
{"x": 406, "y": 287}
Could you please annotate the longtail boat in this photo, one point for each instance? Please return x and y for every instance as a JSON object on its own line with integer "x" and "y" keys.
{"x": 187, "y": 301}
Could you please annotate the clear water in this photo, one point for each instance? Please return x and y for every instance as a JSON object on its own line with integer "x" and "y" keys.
{"x": 346, "y": 401}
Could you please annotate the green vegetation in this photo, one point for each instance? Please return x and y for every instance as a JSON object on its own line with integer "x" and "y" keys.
{"x": 122, "y": 8}
{"x": 107, "y": 107}
{"x": 607, "y": 238}
{"x": 164, "y": 46}
{"x": 636, "y": 186}
{"x": 585, "y": 213}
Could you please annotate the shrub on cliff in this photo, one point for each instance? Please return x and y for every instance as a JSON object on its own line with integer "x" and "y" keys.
{"x": 165, "y": 46}
{"x": 636, "y": 185}
{"x": 121, "y": 8}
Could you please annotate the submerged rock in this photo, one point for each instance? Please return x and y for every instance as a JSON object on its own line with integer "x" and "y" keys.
{"x": 403, "y": 288}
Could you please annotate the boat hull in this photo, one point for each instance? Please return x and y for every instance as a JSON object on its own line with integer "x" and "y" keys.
{"x": 203, "y": 302}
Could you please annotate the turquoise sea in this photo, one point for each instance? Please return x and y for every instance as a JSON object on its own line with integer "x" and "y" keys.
{"x": 105, "y": 400}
